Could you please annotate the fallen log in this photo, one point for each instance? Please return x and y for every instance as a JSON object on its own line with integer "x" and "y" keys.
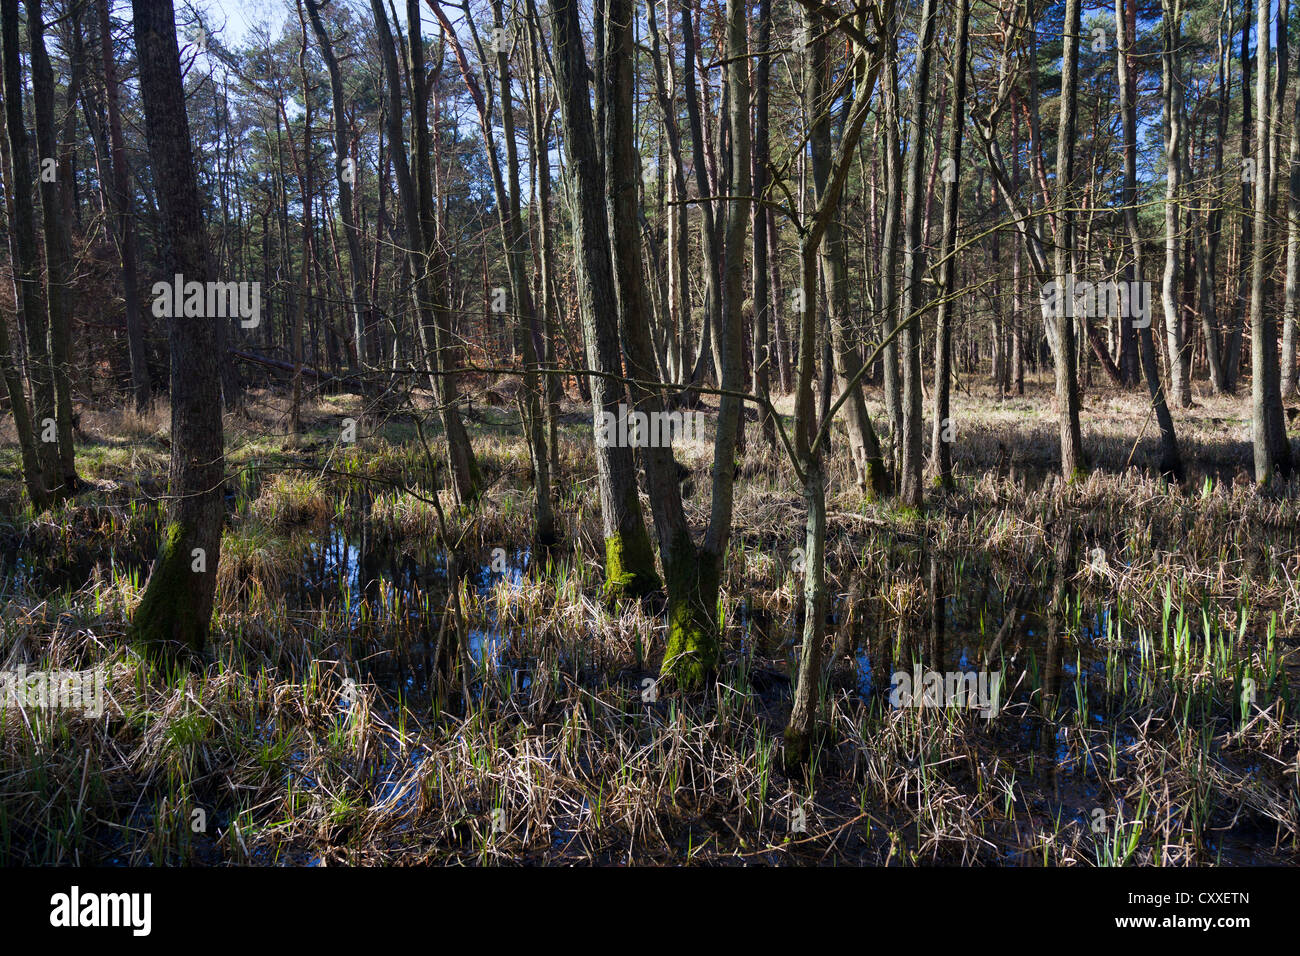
{"x": 323, "y": 377}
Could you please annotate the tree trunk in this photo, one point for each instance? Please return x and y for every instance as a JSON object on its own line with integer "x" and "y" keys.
{"x": 762, "y": 302}
{"x": 1291, "y": 302}
{"x": 910, "y": 480}
{"x": 174, "y": 614}
{"x": 629, "y": 559}
{"x": 891, "y": 385}
{"x": 29, "y": 295}
{"x": 1126, "y": 66}
{"x": 141, "y": 387}
{"x": 846, "y": 362}
{"x": 1180, "y": 388}
{"x": 58, "y": 253}
{"x": 466, "y": 479}
{"x": 1268, "y": 423}
{"x": 941, "y": 433}
{"x": 1232, "y": 364}
{"x": 1067, "y": 383}
{"x": 22, "y": 242}
{"x": 344, "y": 176}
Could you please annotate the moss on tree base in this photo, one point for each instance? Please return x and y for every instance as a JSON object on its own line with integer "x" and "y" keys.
{"x": 693, "y": 649}
{"x": 629, "y": 568}
{"x": 169, "y": 625}
{"x": 797, "y": 749}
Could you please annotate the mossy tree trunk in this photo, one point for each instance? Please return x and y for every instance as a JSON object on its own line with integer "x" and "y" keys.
{"x": 693, "y": 652}
{"x": 175, "y": 612}
{"x": 629, "y": 558}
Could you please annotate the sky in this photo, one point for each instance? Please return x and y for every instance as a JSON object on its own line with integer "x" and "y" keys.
{"x": 231, "y": 19}
{"x": 238, "y": 16}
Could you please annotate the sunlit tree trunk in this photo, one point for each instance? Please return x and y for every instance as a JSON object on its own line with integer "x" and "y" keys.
{"x": 1170, "y": 458}
{"x": 1067, "y": 379}
{"x": 942, "y": 432}
{"x": 809, "y": 439}
{"x": 1180, "y": 388}
{"x": 1268, "y": 424}
{"x": 910, "y": 479}
{"x": 864, "y": 448}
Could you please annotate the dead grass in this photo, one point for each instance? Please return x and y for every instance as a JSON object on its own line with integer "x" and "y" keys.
{"x": 322, "y": 729}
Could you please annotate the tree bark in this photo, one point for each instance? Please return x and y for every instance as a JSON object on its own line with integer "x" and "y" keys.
{"x": 940, "y": 436}
{"x": 762, "y": 302}
{"x": 629, "y": 559}
{"x": 344, "y": 176}
{"x": 1126, "y": 68}
{"x": 173, "y": 616}
{"x": 29, "y": 291}
{"x": 1180, "y": 388}
{"x": 911, "y": 491}
{"x": 1268, "y": 423}
{"x": 141, "y": 386}
{"x": 466, "y": 478}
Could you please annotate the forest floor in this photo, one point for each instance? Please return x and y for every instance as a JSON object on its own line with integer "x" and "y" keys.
{"x": 1146, "y": 637}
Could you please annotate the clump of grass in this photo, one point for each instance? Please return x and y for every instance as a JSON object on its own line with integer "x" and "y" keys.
{"x": 407, "y": 515}
{"x": 290, "y": 499}
{"x": 257, "y": 562}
